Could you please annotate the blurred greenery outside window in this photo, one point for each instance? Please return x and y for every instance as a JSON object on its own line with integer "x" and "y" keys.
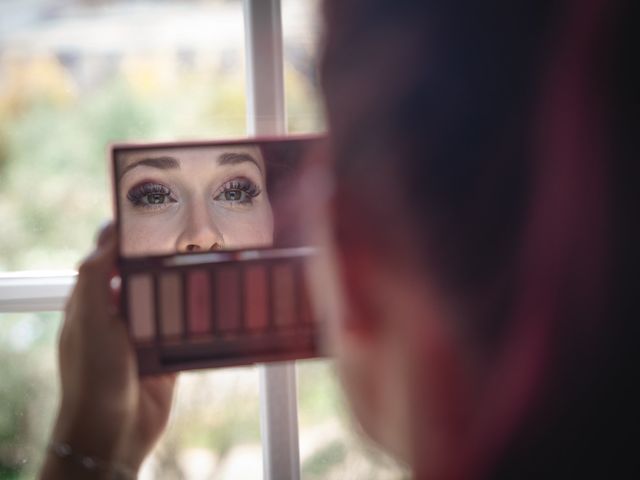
{"x": 76, "y": 75}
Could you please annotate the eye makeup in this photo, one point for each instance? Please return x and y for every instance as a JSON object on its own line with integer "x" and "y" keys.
{"x": 238, "y": 191}
{"x": 142, "y": 310}
{"x": 227, "y": 308}
{"x": 149, "y": 194}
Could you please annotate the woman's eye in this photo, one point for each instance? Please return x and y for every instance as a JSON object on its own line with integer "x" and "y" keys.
{"x": 240, "y": 191}
{"x": 156, "y": 198}
{"x": 149, "y": 195}
{"x": 234, "y": 195}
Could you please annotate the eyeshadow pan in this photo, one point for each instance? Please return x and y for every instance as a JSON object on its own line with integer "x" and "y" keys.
{"x": 170, "y": 292}
{"x": 284, "y": 300}
{"x": 199, "y": 298}
{"x": 256, "y": 305}
{"x": 228, "y": 299}
{"x": 302, "y": 294}
{"x": 141, "y": 309}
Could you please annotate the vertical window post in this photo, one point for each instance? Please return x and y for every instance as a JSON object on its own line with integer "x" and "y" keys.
{"x": 266, "y": 115}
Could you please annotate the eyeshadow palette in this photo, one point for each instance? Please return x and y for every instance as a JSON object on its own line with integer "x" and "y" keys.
{"x": 219, "y": 309}
{"x": 212, "y": 268}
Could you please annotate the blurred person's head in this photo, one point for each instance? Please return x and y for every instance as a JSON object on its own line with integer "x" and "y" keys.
{"x": 481, "y": 228}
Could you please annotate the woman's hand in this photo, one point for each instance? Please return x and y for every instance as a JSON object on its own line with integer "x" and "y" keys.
{"x": 107, "y": 411}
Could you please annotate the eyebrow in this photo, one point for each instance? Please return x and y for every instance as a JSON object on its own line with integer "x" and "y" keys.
{"x": 232, "y": 158}
{"x": 163, "y": 163}
{"x": 166, "y": 163}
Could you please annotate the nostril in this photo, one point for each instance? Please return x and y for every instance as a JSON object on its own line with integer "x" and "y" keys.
{"x": 192, "y": 248}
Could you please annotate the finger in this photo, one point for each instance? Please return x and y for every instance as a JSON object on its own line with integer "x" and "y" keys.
{"x": 92, "y": 292}
{"x": 160, "y": 383}
{"x": 103, "y": 259}
{"x": 106, "y": 232}
{"x": 105, "y": 238}
{"x": 160, "y": 390}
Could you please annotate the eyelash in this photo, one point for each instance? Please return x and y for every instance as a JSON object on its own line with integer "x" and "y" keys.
{"x": 243, "y": 185}
{"x": 139, "y": 195}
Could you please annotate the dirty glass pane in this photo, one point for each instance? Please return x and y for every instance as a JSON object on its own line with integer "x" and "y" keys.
{"x": 28, "y": 390}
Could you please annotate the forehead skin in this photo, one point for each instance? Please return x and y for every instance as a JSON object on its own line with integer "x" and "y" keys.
{"x": 190, "y": 155}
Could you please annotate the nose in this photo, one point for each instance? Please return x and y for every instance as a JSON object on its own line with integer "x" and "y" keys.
{"x": 200, "y": 232}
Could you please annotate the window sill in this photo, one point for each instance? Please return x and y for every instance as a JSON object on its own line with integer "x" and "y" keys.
{"x": 35, "y": 291}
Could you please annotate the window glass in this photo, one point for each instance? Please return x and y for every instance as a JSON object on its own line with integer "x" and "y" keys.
{"x": 28, "y": 390}
{"x": 301, "y": 25}
{"x": 331, "y": 445}
{"x": 214, "y": 429}
{"x": 76, "y": 75}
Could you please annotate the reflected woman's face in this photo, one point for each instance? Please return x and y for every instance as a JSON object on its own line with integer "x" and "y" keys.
{"x": 193, "y": 199}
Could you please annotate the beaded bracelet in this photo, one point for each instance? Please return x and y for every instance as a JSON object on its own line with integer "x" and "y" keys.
{"x": 92, "y": 464}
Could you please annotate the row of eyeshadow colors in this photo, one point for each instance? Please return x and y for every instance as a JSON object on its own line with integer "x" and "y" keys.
{"x": 219, "y": 314}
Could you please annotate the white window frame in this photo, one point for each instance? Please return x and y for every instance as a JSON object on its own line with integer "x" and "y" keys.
{"x": 39, "y": 291}
{"x": 266, "y": 115}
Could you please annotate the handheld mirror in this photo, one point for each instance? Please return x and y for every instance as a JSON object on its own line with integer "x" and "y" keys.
{"x": 212, "y": 259}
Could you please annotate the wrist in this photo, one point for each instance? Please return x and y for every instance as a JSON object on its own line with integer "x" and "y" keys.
{"x": 92, "y": 433}
{"x": 64, "y": 462}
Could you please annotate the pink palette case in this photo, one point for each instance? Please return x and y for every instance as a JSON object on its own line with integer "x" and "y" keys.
{"x": 220, "y": 308}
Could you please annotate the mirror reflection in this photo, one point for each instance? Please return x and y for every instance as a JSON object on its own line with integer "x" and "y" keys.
{"x": 202, "y": 197}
